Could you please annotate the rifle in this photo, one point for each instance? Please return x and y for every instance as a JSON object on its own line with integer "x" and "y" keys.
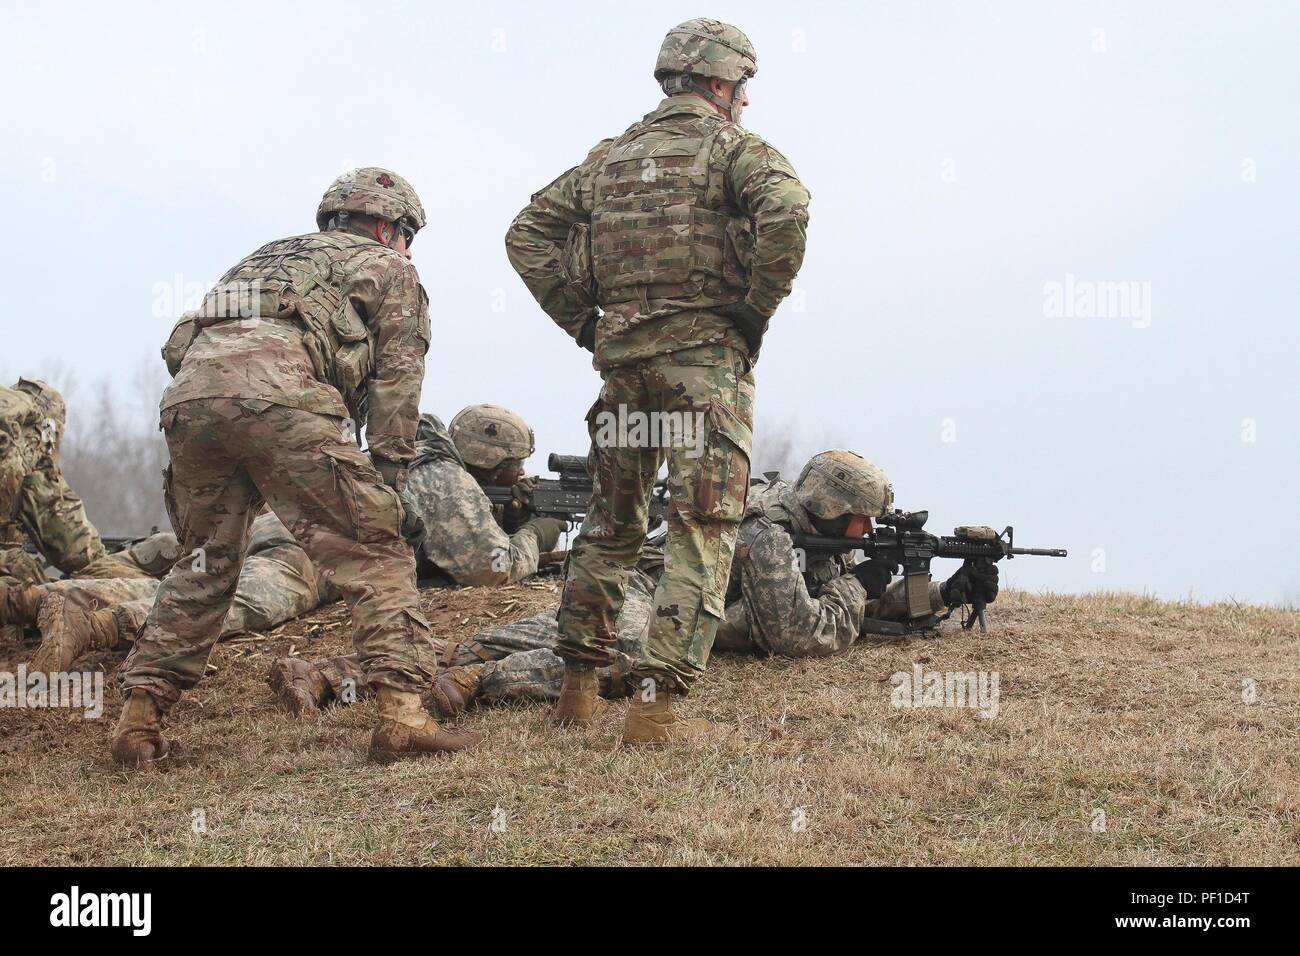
{"x": 568, "y": 496}
{"x": 112, "y": 544}
{"x": 900, "y": 539}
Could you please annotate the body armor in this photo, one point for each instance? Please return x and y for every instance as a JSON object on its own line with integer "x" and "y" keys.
{"x": 661, "y": 227}
{"x": 294, "y": 280}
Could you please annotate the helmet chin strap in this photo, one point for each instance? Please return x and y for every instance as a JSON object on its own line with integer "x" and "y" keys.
{"x": 684, "y": 82}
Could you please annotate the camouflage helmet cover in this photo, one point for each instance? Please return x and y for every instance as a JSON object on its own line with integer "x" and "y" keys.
{"x": 374, "y": 191}
{"x": 486, "y": 435}
{"x": 47, "y": 397}
{"x": 840, "y": 482}
{"x": 704, "y": 47}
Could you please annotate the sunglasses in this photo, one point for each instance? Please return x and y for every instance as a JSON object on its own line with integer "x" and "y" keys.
{"x": 407, "y": 230}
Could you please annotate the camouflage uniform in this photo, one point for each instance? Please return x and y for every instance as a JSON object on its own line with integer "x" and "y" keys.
{"x": 462, "y": 538}
{"x": 150, "y": 557}
{"x": 637, "y": 253}
{"x": 519, "y": 658}
{"x": 277, "y": 583}
{"x": 35, "y": 500}
{"x": 463, "y": 542}
{"x": 774, "y": 608}
{"x": 329, "y": 332}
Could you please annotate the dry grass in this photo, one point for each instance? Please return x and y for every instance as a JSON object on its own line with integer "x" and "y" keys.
{"x": 1108, "y": 702}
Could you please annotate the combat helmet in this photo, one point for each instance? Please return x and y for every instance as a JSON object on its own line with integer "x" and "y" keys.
{"x": 710, "y": 49}
{"x": 46, "y": 398}
{"x": 486, "y": 435}
{"x": 376, "y": 192}
{"x": 840, "y": 482}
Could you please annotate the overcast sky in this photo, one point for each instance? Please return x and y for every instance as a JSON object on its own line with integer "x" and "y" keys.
{"x": 978, "y": 171}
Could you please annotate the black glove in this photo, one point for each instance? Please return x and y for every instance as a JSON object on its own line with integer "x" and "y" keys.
{"x": 875, "y": 575}
{"x": 412, "y": 523}
{"x": 548, "y": 531}
{"x": 976, "y": 578}
{"x": 749, "y": 322}
{"x": 391, "y": 471}
{"x": 515, "y": 511}
{"x": 587, "y": 337}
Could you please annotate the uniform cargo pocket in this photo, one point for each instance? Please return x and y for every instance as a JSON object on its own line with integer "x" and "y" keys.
{"x": 721, "y": 480}
{"x": 371, "y": 508}
{"x": 174, "y": 513}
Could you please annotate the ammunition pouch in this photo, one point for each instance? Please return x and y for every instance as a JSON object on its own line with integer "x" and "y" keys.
{"x": 179, "y": 342}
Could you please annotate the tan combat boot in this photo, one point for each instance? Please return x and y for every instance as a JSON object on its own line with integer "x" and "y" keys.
{"x": 68, "y": 631}
{"x": 138, "y": 739}
{"x": 579, "y": 701}
{"x": 20, "y": 605}
{"x": 299, "y": 687}
{"x": 405, "y": 730}
{"x": 455, "y": 689}
{"x": 654, "y": 723}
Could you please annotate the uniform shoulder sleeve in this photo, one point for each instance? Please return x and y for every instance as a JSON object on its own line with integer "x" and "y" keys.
{"x": 765, "y": 187}
{"x": 536, "y": 238}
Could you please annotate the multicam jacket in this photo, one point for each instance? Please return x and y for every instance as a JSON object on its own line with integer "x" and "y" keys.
{"x": 684, "y": 212}
{"x": 331, "y": 322}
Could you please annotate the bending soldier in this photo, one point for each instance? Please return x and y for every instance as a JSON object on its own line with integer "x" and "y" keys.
{"x": 298, "y": 346}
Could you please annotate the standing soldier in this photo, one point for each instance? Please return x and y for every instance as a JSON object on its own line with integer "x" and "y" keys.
{"x": 299, "y": 345}
{"x": 665, "y": 252}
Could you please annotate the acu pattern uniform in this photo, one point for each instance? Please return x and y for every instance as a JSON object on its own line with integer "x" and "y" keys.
{"x": 774, "y": 607}
{"x": 277, "y": 583}
{"x": 462, "y": 538}
{"x": 643, "y": 253}
{"x": 463, "y": 541}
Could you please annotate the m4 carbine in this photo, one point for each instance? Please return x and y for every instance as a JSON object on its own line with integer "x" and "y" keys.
{"x": 569, "y": 496}
{"x": 900, "y": 539}
{"x": 112, "y": 543}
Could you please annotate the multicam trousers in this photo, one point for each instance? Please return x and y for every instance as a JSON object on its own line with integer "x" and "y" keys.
{"x": 227, "y": 455}
{"x": 712, "y": 388}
